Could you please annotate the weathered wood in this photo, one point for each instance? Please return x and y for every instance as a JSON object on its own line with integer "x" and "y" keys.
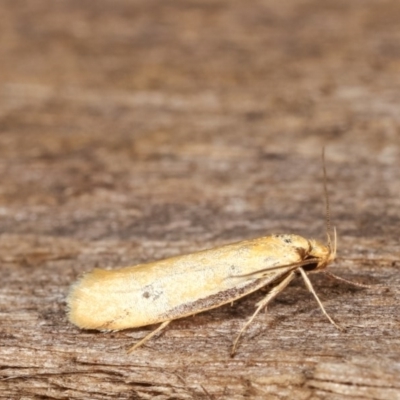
{"x": 132, "y": 131}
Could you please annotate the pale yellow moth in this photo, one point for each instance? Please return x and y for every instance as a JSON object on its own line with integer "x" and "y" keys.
{"x": 161, "y": 291}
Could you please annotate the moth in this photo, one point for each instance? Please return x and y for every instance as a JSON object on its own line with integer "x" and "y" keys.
{"x": 162, "y": 291}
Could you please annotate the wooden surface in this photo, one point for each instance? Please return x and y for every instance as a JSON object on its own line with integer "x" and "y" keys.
{"x": 131, "y": 131}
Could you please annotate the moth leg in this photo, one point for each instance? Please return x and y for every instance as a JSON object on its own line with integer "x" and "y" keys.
{"x": 148, "y": 337}
{"x": 339, "y": 278}
{"x": 260, "y": 305}
{"x": 311, "y": 289}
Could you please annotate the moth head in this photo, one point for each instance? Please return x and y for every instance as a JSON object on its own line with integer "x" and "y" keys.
{"x": 323, "y": 254}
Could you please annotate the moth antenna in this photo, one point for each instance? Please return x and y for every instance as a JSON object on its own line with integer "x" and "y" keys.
{"x": 334, "y": 242}
{"x": 328, "y": 208}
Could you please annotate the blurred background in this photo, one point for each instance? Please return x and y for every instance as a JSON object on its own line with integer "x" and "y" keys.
{"x": 135, "y": 130}
{"x": 170, "y": 107}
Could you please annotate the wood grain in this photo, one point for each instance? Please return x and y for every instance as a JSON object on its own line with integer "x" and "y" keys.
{"x": 132, "y": 131}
